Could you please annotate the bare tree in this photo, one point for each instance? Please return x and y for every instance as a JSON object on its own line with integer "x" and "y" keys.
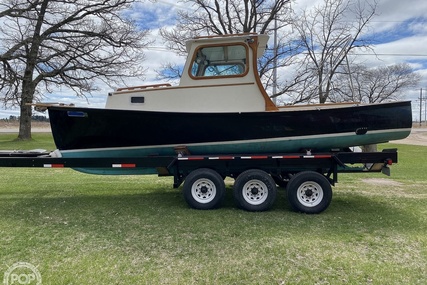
{"x": 328, "y": 34}
{"x": 219, "y": 17}
{"x": 169, "y": 71}
{"x": 374, "y": 85}
{"x": 48, "y": 43}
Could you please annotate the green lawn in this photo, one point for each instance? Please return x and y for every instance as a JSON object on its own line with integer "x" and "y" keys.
{"x": 83, "y": 229}
{"x": 40, "y": 140}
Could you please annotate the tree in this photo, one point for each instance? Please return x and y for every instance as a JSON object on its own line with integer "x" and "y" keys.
{"x": 49, "y": 43}
{"x": 219, "y": 17}
{"x": 374, "y": 85}
{"x": 328, "y": 34}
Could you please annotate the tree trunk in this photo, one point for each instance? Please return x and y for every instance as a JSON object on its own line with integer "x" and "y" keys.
{"x": 27, "y": 97}
{"x": 26, "y": 110}
{"x": 28, "y": 83}
{"x": 25, "y": 122}
{"x": 369, "y": 148}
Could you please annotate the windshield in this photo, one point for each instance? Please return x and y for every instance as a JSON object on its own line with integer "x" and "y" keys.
{"x": 229, "y": 60}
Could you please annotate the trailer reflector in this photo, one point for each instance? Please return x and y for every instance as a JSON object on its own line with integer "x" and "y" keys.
{"x": 291, "y": 156}
{"x": 53, "y": 165}
{"x": 259, "y": 157}
{"x": 220, "y": 157}
{"x": 317, "y": 156}
{"x": 124, "y": 165}
{"x": 300, "y": 156}
{"x": 254, "y": 157}
{"x": 323, "y": 156}
{"x": 191, "y": 158}
{"x": 226, "y": 157}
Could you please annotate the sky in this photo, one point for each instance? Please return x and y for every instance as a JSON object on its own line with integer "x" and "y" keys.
{"x": 399, "y": 29}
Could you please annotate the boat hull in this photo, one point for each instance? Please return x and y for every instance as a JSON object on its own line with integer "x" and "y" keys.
{"x": 85, "y": 132}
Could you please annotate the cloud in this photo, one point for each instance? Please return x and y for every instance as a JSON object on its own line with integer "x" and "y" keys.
{"x": 399, "y": 31}
{"x": 409, "y": 47}
{"x": 394, "y": 11}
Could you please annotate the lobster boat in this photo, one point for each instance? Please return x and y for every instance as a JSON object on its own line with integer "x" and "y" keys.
{"x": 218, "y": 107}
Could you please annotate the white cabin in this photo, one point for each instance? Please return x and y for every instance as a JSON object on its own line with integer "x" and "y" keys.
{"x": 220, "y": 75}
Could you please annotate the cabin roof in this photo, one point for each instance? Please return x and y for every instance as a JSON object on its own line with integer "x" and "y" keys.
{"x": 212, "y": 40}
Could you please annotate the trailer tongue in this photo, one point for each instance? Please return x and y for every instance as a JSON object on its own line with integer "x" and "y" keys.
{"x": 307, "y": 176}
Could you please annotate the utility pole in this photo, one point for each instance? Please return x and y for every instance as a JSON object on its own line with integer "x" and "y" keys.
{"x": 275, "y": 62}
{"x": 421, "y": 105}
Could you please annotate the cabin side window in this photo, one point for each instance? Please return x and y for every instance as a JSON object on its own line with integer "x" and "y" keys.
{"x": 227, "y": 60}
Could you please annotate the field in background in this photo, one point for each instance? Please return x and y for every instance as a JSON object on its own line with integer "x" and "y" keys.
{"x": 84, "y": 229}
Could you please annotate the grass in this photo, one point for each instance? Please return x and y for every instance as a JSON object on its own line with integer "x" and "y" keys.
{"x": 40, "y": 141}
{"x": 83, "y": 229}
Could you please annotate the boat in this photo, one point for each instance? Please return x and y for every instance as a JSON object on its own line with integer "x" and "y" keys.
{"x": 218, "y": 107}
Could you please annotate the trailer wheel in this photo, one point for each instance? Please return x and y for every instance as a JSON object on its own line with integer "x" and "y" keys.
{"x": 204, "y": 189}
{"x": 254, "y": 190}
{"x": 309, "y": 192}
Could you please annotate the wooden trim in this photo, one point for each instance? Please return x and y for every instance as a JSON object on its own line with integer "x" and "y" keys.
{"x": 184, "y": 87}
{"x": 225, "y": 36}
{"x": 269, "y": 105}
{"x": 42, "y": 107}
{"x": 143, "y": 87}
{"x": 318, "y": 105}
{"x": 48, "y": 104}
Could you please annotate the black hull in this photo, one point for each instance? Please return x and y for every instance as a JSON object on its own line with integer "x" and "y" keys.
{"x": 85, "y": 128}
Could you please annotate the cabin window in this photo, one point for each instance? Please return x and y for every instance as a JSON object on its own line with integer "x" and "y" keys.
{"x": 228, "y": 60}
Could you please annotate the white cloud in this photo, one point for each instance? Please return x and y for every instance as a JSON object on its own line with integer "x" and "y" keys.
{"x": 410, "y": 46}
{"x": 397, "y": 10}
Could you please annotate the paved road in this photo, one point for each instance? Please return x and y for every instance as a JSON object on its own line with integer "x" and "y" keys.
{"x": 418, "y": 136}
{"x": 15, "y": 130}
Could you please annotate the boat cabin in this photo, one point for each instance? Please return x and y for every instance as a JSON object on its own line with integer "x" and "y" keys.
{"x": 220, "y": 75}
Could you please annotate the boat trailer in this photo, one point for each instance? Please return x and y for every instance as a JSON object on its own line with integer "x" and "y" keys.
{"x": 307, "y": 176}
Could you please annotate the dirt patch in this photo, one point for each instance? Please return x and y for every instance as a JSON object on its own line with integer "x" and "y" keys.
{"x": 13, "y": 126}
{"x": 381, "y": 181}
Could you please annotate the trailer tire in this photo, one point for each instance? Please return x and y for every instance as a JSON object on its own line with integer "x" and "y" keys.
{"x": 204, "y": 189}
{"x": 309, "y": 192}
{"x": 254, "y": 190}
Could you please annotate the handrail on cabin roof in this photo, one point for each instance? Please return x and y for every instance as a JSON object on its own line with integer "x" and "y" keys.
{"x": 225, "y": 36}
